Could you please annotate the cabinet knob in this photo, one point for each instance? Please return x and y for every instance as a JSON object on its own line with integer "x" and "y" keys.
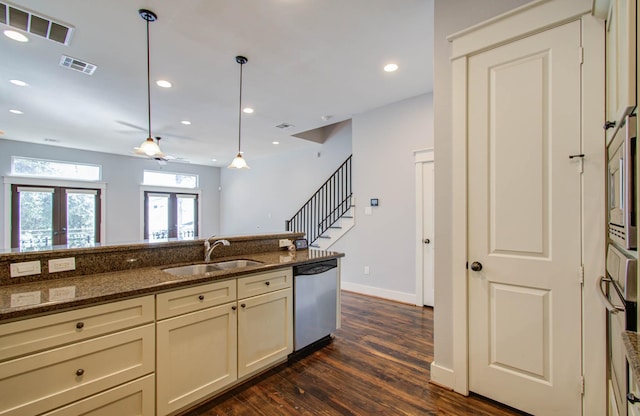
{"x": 244, "y": 305}
{"x": 79, "y": 372}
{"x": 234, "y": 307}
{"x": 631, "y": 398}
{"x": 201, "y": 297}
{"x": 427, "y": 241}
{"x": 80, "y": 325}
{"x": 267, "y": 283}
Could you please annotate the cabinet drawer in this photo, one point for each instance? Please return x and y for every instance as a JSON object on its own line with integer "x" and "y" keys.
{"x": 47, "y": 380}
{"x": 37, "y": 334}
{"x": 259, "y": 284}
{"x": 131, "y": 399}
{"x": 195, "y": 298}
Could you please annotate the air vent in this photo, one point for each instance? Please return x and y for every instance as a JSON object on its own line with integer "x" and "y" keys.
{"x": 37, "y": 25}
{"x": 284, "y": 125}
{"x": 77, "y": 65}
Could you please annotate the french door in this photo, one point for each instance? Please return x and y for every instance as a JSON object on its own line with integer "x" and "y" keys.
{"x": 43, "y": 217}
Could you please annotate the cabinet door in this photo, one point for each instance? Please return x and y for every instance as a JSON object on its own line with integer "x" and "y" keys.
{"x": 621, "y": 60}
{"x": 197, "y": 356}
{"x": 265, "y": 330}
{"x": 131, "y": 399}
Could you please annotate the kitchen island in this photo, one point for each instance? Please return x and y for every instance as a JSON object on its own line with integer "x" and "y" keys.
{"x": 140, "y": 340}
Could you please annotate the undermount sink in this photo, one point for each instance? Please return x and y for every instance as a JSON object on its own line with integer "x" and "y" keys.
{"x": 203, "y": 268}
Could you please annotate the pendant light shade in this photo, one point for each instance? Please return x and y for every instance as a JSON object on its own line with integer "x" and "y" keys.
{"x": 239, "y": 162}
{"x": 149, "y": 147}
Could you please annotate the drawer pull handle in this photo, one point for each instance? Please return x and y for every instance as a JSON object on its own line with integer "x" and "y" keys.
{"x": 79, "y": 372}
{"x": 80, "y": 325}
{"x": 244, "y": 305}
{"x": 234, "y": 307}
{"x": 267, "y": 283}
{"x": 201, "y": 297}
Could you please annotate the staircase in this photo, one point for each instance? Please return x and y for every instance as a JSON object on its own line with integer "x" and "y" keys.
{"x": 329, "y": 213}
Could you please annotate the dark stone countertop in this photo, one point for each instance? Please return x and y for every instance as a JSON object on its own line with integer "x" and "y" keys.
{"x": 631, "y": 341}
{"x": 73, "y": 292}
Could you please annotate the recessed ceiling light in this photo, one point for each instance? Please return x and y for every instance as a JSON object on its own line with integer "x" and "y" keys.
{"x": 15, "y": 111}
{"x": 17, "y": 36}
{"x": 162, "y": 83}
{"x": 18, "y": 82}
{"x": 248, "y": 110}
{"x": 214, "y": 160}
{"x": 276, "y": 142}
{"x": 390, "y": 67}
{"x": 186, "y": 122}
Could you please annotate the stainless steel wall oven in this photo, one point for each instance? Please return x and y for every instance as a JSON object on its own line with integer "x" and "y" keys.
{"x": 618, "y": 292}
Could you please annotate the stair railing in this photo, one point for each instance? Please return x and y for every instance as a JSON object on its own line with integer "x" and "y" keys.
{"x": 326, "y": 206}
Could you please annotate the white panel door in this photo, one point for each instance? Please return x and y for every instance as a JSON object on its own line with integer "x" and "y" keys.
{"x": 427, "y": 233}
{"x": 524, "y": 223}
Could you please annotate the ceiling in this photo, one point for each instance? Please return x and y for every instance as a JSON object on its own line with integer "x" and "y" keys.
{"x": 311, "y": 63}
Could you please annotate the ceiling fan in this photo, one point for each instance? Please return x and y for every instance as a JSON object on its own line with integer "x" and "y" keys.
{"x": 160, "y": 157}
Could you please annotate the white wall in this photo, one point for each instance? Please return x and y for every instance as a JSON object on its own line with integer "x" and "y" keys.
{"x": 123, "y": 176}
{"x": 449, "y": 17}
{"x": 384, "y": 140}
{"x": 259, "y": 200}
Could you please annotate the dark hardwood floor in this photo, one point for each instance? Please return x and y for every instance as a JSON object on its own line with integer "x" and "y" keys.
{"x": 378, "y": 364}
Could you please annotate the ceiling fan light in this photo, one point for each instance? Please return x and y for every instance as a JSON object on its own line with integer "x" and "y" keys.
{"x": 150, "y": 148}
{"x": 238, "y": 163}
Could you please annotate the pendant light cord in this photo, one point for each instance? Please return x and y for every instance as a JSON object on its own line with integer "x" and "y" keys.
{"x": 148, "y": 81}
{"x": 240, "y": 109}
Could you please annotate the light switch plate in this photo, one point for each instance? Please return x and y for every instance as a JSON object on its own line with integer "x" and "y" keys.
{"x": 62, "y": 265}
{"x": 26, "y": 268}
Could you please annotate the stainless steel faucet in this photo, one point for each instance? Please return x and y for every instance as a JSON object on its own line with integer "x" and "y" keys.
{"x": 208, "y": 247}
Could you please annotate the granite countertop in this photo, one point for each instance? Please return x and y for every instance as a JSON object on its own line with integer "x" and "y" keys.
{"x": 29, "y": 299}
{"x": 631, "y": 341}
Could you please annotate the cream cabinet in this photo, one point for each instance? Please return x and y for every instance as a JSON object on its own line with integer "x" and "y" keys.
{"x": 70, "y": 356}
{"x": 265, "y": 330}
{"x": 212, "y": 336}
{"x": 620, "y": 61}
{"x": 197, "y": 350}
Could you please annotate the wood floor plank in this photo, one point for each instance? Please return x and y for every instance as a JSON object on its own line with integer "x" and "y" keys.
{"x": 378, "y": 364}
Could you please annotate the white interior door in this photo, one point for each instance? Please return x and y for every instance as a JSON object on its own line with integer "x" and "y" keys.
{"x": 524, "y": 223}
{"x": 427, "y": 233}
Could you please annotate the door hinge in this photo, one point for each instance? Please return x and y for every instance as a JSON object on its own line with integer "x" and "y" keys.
{"x": 581, "y": 274}
{"x": 580, "y": 55}
{"x": 582, "y": 385}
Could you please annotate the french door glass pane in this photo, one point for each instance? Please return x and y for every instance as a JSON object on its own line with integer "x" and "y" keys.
{"x": 36, "y": 220}
{"x": 158, "y": 220}
{"x": 81, "y": 215}
{"x": 186, "y": 217}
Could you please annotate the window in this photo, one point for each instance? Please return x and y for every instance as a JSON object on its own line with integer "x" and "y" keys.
{"x": 174, "y": 180}
{"x": 43, "y": 217}
{"x": 23, "y": 166}
{"x": 170, "y": 215}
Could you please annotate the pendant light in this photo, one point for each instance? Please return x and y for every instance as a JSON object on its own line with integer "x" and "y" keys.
{"x": 239, "y": 162}
{"x": 149, "y": 147}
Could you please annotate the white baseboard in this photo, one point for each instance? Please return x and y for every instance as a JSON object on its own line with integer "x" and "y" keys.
{"x": 379, "y": 293}
{"x": 442, "y": 375}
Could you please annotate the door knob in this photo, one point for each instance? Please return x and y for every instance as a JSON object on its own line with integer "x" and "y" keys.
{"x": 476, "y": 266}
{"x": 427, "y": 241}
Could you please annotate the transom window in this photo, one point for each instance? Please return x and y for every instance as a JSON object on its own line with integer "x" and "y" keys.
{"x": 54, "y": 169}
{"x": 170, "y": 179}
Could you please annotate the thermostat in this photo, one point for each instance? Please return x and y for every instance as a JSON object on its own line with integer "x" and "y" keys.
{"x": 374, "y": 202}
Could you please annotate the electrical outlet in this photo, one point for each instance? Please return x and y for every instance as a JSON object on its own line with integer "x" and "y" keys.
{"x": 26, "y": 268}
{"x": 366, "y": 269}
{"x": 284, "y": 243}
{"x": 62, "y": 265}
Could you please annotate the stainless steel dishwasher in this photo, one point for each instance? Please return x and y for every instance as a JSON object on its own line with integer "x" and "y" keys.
{"x": 315, "y": 288}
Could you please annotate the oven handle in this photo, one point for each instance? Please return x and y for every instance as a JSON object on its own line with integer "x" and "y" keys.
{"x": 603, "y": 296}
